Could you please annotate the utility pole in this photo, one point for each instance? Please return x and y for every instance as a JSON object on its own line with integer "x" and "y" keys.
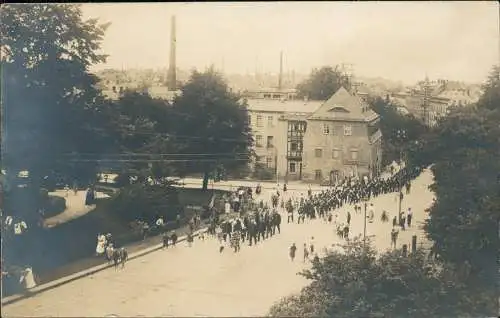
{"x": 364, "y": 226}
{"x": 399, "y": 203}
{"x": 280, "y": 79}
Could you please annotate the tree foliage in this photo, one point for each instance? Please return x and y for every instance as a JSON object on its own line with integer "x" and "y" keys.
{"x": 464, "y": 150}
{"x": 323, "y": 83}
{"x": 355, "y": 282}
{"x": 141, "y": 126}
{"x": 212, "y": 126}
{"x": 49, "y": 96}
{"x": 491, "y": 90}
{"x": 399, "y": 131}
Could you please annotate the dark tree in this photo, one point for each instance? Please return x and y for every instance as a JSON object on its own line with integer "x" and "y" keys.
{"x": 464, "y": 150}
{"x": 212, "y": 127}
{"x": 400, "y": 132}
{"x": 323, "y": 83}
{"x": 49, "y": 97}
{"x": 142, "y": 127}
{"x": 355, "y": 282}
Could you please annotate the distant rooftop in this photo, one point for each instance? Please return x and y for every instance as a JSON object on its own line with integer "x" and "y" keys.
{"x": 344, "y": 106}
{"x": 289, "y": 106}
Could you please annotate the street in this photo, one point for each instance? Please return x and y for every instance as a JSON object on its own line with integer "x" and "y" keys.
{"x": 198, "y": 281}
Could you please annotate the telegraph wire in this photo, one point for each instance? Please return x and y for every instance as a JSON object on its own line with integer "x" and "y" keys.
{"x": 134, "y": 154}
{"x": 205, "y": 138}
{"x": 160, "y": 160}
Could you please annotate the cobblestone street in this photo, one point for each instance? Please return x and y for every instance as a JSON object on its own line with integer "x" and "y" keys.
{"x": 198, "y": 281}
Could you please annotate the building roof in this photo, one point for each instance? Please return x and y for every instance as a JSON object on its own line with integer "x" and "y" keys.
{"x": 162, "y": 92}
{"x": 344, "y": 106}
{"x": 277, "y": 106}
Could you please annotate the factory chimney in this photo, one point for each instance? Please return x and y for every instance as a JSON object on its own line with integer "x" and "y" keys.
{"x": 280, "y": 79}
{"x": 171, "y": 77}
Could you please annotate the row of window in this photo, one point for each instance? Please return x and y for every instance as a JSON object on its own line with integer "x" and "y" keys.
{"x": 318, "y": 153}
{"x": 292, "y": 168}
{"x": 328, "y": 131}
{"x": 259, "y": 144}
{"x": 260, "y": 121}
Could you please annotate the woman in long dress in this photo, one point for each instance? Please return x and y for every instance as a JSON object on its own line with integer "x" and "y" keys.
{"x": 101, "y": 243}
{"x": 28, "y": 278}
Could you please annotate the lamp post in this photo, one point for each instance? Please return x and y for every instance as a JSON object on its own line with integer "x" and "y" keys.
{"x": 364, "y": 226}
{"x": 399, "y": 203}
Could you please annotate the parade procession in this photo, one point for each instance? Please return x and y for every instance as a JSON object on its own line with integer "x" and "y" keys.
{"x": 250, "y": 219}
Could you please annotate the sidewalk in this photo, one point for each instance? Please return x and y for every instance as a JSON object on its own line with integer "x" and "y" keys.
{"x": 86, "y": 267}
{"x": 75, "y": 207}
{"x": 88, "y": 262}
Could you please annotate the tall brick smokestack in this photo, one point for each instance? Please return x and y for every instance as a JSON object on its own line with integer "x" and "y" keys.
{"x": 172, "y": 78}
{"x": 280, "y": 79}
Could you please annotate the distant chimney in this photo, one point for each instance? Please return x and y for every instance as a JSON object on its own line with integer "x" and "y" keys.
{"x": 280, "y": 79}
{"x": 172, "y": 78}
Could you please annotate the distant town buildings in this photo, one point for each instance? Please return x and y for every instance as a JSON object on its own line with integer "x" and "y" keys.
{"x": 432, "y": 100}
{"x": 320, "y": 142}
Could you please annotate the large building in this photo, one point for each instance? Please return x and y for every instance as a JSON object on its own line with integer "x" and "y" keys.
{"x": 314, "y": 141}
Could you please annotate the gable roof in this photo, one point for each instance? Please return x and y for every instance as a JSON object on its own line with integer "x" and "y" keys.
{"x": 344, "y": 106}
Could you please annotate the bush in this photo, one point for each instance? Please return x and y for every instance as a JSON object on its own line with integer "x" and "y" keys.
{"x": 241, "y": 173}
{"x": 357, "y": 282}
{"x": 262, "y": 172}
{"x": 54, "y": 205}
{"x": 146, "y": 202}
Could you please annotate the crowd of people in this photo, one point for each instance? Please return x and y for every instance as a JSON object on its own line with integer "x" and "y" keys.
{"x": 256, "y": 221}
{"x": 252, "y": 220}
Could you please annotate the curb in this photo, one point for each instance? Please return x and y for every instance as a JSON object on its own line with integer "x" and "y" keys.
{"x": 68, "y": 279}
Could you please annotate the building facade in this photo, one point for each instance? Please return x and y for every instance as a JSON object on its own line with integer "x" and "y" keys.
{"x": 315, "y": 141}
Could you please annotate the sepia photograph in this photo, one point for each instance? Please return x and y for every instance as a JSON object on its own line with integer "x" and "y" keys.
{"x": 250, "y": 159}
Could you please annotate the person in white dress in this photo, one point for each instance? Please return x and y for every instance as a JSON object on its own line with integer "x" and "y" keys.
{"x": 28, "y": 278}
{"x": 101, "y": 243}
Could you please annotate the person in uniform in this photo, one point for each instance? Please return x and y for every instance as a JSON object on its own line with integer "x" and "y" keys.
{"x": 293, "y": 249}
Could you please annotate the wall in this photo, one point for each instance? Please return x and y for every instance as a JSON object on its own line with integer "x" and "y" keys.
{"x": 315, "y": 138}
{"x": 267, "y": 129}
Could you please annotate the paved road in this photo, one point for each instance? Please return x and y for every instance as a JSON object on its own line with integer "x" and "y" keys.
{"x": 198, "y": 281}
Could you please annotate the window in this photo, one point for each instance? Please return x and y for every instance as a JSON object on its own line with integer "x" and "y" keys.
{"x": 259, "y": 120}
{"x": 270, "y": 141}
{"x": 258, "y": 141}
{"x": 335, "y": 154}
{"x": 249, "y": 120}
{"x": 317, "y": 175}
{"x": 318, "y": 152}
{"x": 270, "y": 121}
{"x": 269, "y": 162}
{"x": 293, "y": 146}
{"x": 354, "y": 154}
{"x": 326, "y": 129}
{"x": 347, "y": 130}
{"x": 292, "y": 167}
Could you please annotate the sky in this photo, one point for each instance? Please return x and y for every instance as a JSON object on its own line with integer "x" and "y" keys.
{"x": 395, "y": 40}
